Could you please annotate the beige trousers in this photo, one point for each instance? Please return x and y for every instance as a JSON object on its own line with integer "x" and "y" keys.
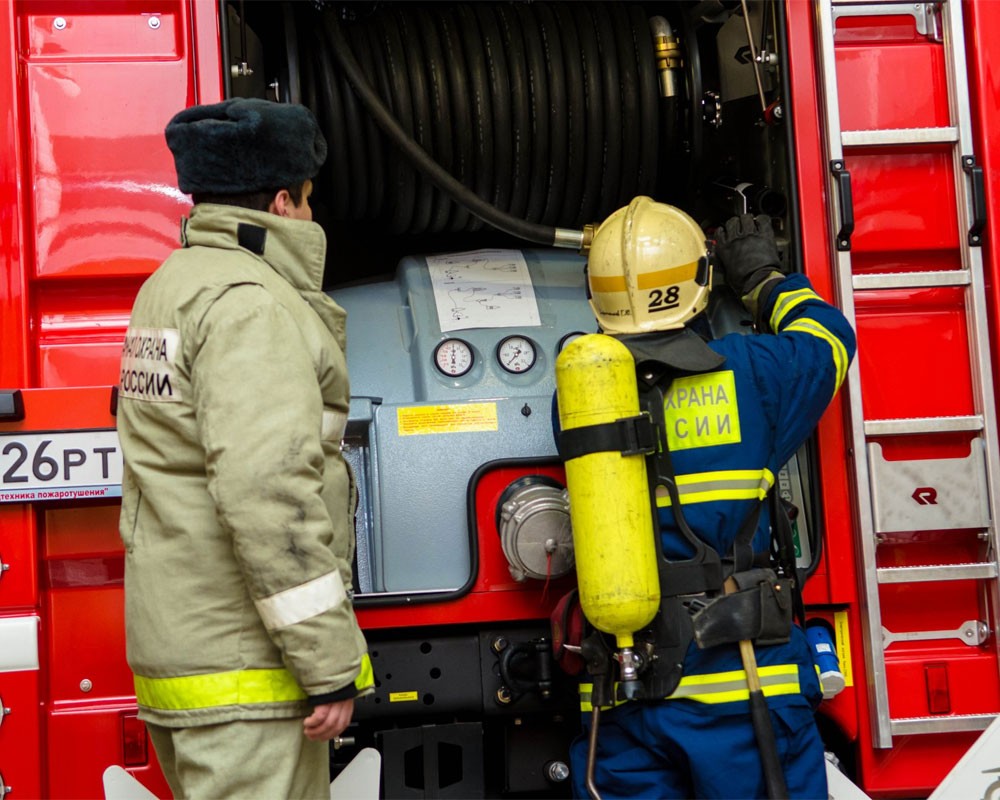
{"x": 260, "y": 759}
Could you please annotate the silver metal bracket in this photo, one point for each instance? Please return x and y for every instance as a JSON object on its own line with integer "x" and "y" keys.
{"x": 929, "y": 494}
{"x": 971, "y": 632}
{"x": 926, "y": 15}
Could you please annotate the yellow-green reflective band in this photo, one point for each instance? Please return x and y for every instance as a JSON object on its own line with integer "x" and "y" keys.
{"x": 813, "y": 328}
{"x": 706, "y": 487}
{"x": 236, "y": 688}
{"x": 721, "y": 687}
{"x": 729, "y": 687}
{"x": 366, "y": 678}
{"x": 787, "y": 301}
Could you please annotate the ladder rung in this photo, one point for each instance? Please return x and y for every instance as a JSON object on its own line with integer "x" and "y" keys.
{"x": 937, "y": 572}
{"x": 875, "y": 4}
{"x": 911, "y": 280}
{"x": 943, "y": 724}
{"x": 898, "y": 427}
{"x": 923, "y": 17}
{"x": 899, "y": 136}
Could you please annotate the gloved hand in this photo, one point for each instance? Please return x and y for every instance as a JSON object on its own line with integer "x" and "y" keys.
{"x": 747, "y": 253}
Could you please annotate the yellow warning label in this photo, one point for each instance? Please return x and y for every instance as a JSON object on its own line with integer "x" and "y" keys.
{"x": 464, "y": 418}
{"x": 843, "y": 646}
{"x": 402, "y": 697}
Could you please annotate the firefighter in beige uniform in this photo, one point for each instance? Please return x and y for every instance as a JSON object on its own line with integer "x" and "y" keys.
{"x": 237, "y": 507}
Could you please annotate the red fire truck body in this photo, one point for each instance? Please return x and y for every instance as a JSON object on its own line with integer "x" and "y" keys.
{"x": 89, "y": 208}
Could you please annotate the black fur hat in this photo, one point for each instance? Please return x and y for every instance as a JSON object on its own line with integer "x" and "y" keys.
{"x": 244, "y": 145}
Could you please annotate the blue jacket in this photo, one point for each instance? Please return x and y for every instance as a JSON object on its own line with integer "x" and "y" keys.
{"x": 730, "y": 431}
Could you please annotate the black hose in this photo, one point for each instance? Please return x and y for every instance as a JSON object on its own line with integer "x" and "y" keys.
{"x": 541, "y": 112}
{"x": 612, "y": 104}
{"x": 538, "y": 91}
{"x": 423, "y": 202}
{"x": 482, "y": 117}
{"x": 522, "y": 229}
{"x": 461, "y": 115}
{"x": 496, "y": 64}
{"x": 595, "y": 110}
{"x": 576, "y": 131}
{"x": 441, "y": 114}
{"x": 520, "y": 115}
{"x": 558, "y": 166}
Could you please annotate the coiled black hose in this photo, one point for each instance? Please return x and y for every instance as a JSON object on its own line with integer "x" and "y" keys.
{"x": 547, "y": 112}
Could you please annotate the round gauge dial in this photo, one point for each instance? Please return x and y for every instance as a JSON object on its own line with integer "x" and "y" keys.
{"x": 569, "y": 337}
{"x": 516, "y": 354}
{"x": 453, "y": 357}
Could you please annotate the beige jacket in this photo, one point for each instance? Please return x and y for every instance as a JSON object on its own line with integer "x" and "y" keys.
{"x": 237, "y": 506}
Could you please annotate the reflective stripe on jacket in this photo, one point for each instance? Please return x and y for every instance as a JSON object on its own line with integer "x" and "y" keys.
{"x": 246, "y": 687}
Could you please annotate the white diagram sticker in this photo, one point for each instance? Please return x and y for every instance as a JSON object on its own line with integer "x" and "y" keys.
{"x": 483, "y": 289}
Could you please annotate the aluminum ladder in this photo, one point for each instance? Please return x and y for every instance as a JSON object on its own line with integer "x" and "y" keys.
{"x": 922, "y": 494}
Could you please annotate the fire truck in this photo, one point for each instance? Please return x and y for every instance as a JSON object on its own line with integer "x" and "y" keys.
{"x": 466, "y": 140}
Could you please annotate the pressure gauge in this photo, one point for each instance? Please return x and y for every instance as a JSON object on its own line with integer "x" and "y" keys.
{"x": 569, "y": 337}
{"x": 453, "y": 357}
{"x": 516, "y": 354}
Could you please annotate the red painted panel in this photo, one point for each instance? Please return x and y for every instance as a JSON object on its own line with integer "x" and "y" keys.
{"x": 970, "y": 678}
{"x": 105, "y": 199}
{"x": 115, "y": 31}
{"x": 82, "y": 743}
{"x": 75, "y": 364}
{"x": 206, "y": 50}
{"x": 18, "y": 583}
{"x": 892, "y": 85}
{"x": 913, "y": 354}
{"x": 85, "y": 641}
{"x": 904, "y": 210}
{"x": 80, "y": 327}
{"x": 20, "y": 735}
{"x": 914, "y": 765}
{"x": 838, "y": 559}
{"x": 494, "y": 575}
{"x": 85, "y": 604}
{"x": 89, "y": 207}
{"x": 13, "y": 303}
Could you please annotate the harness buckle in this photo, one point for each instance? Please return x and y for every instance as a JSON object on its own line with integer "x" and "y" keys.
{"x": 639, "y": 435}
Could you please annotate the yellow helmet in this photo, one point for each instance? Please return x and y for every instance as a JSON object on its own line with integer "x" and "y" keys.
{"x": 648, "y": 269}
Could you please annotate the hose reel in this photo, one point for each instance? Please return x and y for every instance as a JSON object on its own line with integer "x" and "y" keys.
{"x": 548, "y": 112}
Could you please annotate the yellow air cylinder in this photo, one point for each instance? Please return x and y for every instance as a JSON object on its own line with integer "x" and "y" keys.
{"x": 615, "y": 552}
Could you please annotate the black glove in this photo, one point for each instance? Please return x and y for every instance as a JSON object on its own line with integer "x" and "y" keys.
{"x": 745, "y": 249}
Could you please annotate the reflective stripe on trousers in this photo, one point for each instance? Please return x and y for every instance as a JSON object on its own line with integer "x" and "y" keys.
{"x": 721, "y": 687}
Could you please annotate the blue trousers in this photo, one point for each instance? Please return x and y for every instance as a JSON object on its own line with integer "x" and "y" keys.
{"x": 671, "y": 750}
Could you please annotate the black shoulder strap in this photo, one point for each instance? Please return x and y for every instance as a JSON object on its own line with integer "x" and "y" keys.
{"x": 783, "y": 551}
{"x": 703, "y": 571}
{"x": 741, "y": 557}
{"x": 629, "y": 436}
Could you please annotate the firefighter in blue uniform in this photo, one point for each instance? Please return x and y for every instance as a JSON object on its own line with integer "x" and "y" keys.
{"x": 729, "y": 413}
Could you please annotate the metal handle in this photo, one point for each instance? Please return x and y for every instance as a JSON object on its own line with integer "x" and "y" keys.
{"x": 845, "y": 204}
{"x": 978, "y": 190}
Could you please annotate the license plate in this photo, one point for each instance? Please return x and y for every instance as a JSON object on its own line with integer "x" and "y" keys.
{"x": 61, "y": 465}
